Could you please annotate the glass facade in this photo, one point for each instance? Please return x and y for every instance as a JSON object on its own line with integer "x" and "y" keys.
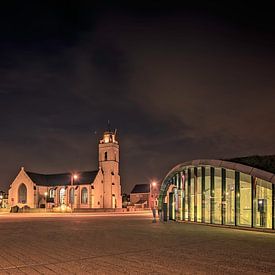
{"x": 222, "y": 196}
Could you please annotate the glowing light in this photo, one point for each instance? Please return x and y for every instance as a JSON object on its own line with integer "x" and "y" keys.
{"x": 75, "y": 177}
{"x": 154, "y": 183}
{"x": 46, "y": 194}
{"x": 63, "y": 207}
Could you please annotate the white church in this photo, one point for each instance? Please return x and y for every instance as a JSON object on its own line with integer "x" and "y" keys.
{"x": 90, "y": 189}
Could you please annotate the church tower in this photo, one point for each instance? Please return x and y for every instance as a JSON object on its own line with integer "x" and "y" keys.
{"x": 108, "y": 155}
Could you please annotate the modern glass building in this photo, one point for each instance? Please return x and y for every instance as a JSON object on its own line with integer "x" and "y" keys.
{"x": 219, "y": 192}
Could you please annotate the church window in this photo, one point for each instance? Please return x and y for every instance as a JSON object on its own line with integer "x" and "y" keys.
{"x": 22, "y": 193}
{"x": 84, "y": 195}
{"x": 71, "y": 198}
{"x": 51, "y": 193}
{"x": 62, "y": 193}
{"x": 105, "y": 156}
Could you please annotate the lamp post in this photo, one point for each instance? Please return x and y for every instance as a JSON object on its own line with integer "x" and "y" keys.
{"x": 71, "y": 198}
{"x": 153, "y": 184}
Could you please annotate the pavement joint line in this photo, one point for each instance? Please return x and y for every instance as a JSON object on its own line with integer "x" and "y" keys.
{"x": 84, "y": 258}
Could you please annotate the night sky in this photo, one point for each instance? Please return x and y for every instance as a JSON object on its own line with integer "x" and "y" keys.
{"x": 178, "y": 82}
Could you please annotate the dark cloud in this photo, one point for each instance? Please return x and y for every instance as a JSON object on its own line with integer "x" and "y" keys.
{"x": 178, "y": 82}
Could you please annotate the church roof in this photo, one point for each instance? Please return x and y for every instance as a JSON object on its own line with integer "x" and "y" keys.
{"x": 62, "y": 179}
{"x": 141, "y": 188}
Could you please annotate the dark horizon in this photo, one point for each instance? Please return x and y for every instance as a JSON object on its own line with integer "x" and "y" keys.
{"x": 178, "y": 82}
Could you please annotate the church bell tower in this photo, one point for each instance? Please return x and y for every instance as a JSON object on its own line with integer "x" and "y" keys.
{"x": 109, "y": 165}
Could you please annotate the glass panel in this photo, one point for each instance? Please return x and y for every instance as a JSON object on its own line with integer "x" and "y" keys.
{"x": 182, "y": 196}
{"x": 192, "y": 195}
{"x": 263, "y": 207}
{"x": 230, "y": 197}
{"x": 186, "y": 196}
{"x": 245, "y": 200}
{"x": 217, "y": 196}
{"x": 199, "y": 195}
{"x": 207, "y": 194}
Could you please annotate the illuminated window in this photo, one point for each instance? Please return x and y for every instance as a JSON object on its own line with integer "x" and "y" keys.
{"x": 62, "y": 193}
{"x": 245, "y": 200}
{"x": 230, "y": 197}
{"x": 207, "y": 195}
{"x": 263, "y": 204}
{"x": 217, "y": 194}
{"x": 192, "y": 195}
{"x": 22, "y": 193}
{"x": 199, "y": 194}
{"x": 186, "y": 195}
{"x": 51, "y": 193}
{"x": 84, "y": 195}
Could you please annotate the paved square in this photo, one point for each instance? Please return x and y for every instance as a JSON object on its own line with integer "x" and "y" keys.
{"x": 115, "y": 244}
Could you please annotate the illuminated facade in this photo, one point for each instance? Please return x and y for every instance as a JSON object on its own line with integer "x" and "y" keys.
{"x": 219, "y": 192}
{"x": 90, "y": 189}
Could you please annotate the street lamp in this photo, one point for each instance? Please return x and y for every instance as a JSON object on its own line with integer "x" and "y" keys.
{"x": 153, "y": 184}
{"x": 71, "y": 194}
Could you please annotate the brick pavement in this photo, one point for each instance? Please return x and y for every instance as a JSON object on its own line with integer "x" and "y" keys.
{"x": 128, "y": 244}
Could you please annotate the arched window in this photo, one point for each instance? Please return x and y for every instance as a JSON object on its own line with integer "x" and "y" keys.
{"x": 62, "y": 195}
{"x": 84, "y": 195}
{"x": 51, "y": 193}
{"x": 22, "y": 193}
{"x": 105, "y": 156}
{"x": 71, "y": 198}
